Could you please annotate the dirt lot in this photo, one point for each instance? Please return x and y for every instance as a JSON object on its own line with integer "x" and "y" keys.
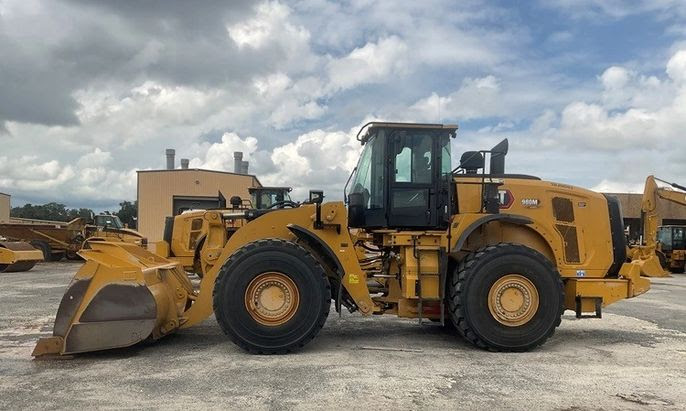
{"x": 633, "y": 358}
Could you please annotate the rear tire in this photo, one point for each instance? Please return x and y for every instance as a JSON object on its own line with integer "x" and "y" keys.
{"x": 44, "y": 247}
{"x": 302, "y": 278}
{"x": 478, "y": 301}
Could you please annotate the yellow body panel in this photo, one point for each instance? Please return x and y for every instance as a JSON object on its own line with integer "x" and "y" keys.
{"x": 275, "y": 225}
{"x": 590, "y": 220}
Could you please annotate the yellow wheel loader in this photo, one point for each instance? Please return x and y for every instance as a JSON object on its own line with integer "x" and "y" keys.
{"x": 498, "y": 256}
{"x": 185, "y": 235}
{"x": 18, "y": 256}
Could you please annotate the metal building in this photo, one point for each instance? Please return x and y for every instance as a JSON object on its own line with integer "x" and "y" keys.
{"x": 164, "y": 193}
{"x": 672, "y": 214}
{"x": 4, "y": 208}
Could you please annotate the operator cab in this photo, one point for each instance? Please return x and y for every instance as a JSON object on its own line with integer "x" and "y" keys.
{"x": 108, "y": 221}
{"x": 672, "y": 237}
{"x": 268, "y": 197}
{"x": 403, "y": 177}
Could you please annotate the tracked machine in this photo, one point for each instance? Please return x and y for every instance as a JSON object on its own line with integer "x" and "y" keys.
{"x": 497, "y": 256}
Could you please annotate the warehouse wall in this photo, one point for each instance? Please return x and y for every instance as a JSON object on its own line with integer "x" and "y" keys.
{"x": 157, "y": 189}
{"x": 4, "y": 208}
{"x": 631, "y": 207}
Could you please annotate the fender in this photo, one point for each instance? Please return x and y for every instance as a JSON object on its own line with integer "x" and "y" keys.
{"x": 319, "y": 246}
{"x": 325, "y": 252}
{"x": 506, "y": 218}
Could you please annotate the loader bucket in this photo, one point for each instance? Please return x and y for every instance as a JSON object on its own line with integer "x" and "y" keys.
{"x": 18, "y": 256}
{"x": 122, "y": 295}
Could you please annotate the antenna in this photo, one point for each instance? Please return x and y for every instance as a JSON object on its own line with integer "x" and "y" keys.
{"x": 439, "y": 108}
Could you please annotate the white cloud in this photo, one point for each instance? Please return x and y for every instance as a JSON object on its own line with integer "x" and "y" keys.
{"x": 219, "y": 156}
{"x": 616, "y": 8}
{"x": 317, "y": 159}
{"x": 676, "y": 67}
{"x": 476, "y": 98}
{"x": 370, "y": 63}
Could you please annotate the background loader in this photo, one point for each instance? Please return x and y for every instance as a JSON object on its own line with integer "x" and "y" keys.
{"x": 498, "y": 256}
{"x": 185, "y": 234}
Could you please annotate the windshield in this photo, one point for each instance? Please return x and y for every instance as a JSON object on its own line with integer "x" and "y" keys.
{"x": 368, "y": 179}
{"x": 111, "y": 221}
{"x": 664, "y": 236}
{"x": 267, "y": 198}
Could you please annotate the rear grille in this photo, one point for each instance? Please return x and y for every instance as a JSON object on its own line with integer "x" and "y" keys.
{"x": 563, "y": 209}
{"x": 568, "y": 233}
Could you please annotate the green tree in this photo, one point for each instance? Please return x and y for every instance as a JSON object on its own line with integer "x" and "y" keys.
{"x": 128, "y": 213}
{"x": 50, "y": 211}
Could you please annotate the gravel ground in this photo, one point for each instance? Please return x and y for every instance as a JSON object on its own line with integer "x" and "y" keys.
{"x": 632, "y": 358}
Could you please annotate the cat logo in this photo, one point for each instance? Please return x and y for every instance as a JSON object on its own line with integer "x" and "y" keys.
{"x": 505, "y": 198}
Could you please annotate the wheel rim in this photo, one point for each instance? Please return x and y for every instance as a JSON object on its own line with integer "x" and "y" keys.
{"x": 272, "y": 298}
{"x": 513, "y": 300}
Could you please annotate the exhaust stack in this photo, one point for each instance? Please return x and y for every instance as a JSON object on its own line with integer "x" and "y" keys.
{"x": 237, "y": 162}
{"x": 184, "y": 163}
{"x": 171, "y": 162}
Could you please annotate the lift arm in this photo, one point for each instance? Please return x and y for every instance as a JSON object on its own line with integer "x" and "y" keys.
{"x": 649, "y": 215}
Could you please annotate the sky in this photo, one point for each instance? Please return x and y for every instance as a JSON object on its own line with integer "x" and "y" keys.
{"x": 588, "y": 92}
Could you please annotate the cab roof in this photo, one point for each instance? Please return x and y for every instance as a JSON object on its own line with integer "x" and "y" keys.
{"x": 399, "y": 125}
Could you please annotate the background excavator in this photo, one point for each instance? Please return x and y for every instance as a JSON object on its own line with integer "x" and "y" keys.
{"x": 649, "y": 250}
{"x": 497, "y": 256}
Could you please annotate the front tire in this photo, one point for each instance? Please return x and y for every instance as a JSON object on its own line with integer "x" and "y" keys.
{"x": 663, "y": 259}
{"x": 506, "y": 297}
{"x": 271, "y": 297}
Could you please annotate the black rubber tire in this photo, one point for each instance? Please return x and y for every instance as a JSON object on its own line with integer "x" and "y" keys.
{"x": 468, "y": 297}
{"x": 259, "y": 257}
{"x": 663, "y": 259}
{"x": 44, "y": 247}
{"x": 57, "y": 256}
{"x": 73, "y": 256}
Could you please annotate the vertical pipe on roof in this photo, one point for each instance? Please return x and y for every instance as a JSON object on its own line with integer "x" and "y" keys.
{"x": 171, "y": 153}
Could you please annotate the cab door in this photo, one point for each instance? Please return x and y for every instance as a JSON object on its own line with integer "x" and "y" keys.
{"x": 414, "y": 168}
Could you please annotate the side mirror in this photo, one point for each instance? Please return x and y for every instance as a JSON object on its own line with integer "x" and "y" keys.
{"x": 471, "y": 162}
{"x": 356, "y": 210}
{"x": 316, "y": 196}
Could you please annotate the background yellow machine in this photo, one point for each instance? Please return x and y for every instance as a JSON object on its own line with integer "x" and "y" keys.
{"x": 18, "y": 256}
{"x": 60, "y": 240}
{"x": 671, "y": 247}
{"x": 185, "y": 235}
{"x": 649, "y": 251}
{"x": 497, "y": 256}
